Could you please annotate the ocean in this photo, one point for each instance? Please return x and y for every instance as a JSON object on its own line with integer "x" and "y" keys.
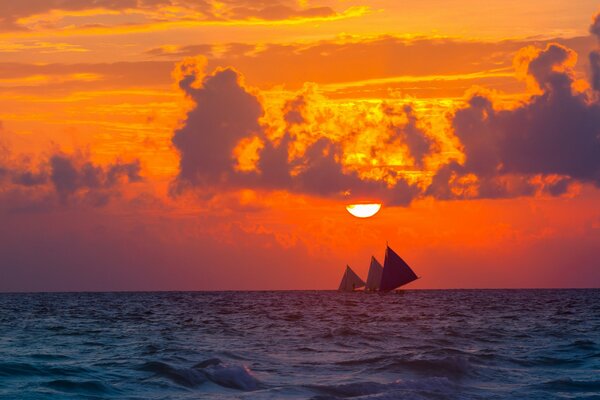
{"x": 418, "y": 344}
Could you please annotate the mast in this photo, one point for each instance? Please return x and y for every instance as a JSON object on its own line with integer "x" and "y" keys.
{"x": 396, "y": 271}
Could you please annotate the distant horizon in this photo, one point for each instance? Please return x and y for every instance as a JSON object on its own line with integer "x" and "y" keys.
{"x": 293, "y": 290}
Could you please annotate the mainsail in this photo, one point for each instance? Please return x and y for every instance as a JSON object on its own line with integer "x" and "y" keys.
{"x": 350, "y": 281}
{"x": 374, "y": 277}
{"x": 396, "y": 272}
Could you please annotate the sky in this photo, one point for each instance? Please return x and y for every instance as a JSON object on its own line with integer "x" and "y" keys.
{"x": 214, "y": 145}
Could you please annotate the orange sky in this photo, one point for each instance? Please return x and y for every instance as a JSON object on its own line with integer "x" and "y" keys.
{"x": 180, "y": 144}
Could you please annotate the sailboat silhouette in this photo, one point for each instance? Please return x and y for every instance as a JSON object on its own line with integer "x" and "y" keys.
{"x": 394, "y": 274}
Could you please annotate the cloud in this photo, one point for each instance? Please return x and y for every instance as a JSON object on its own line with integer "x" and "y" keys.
{"x": 69, "y": 178}
{"x": 33, "y": 14}
{"x": 275, "y": 10}
{"x": 422, "y": 67}
{"x": 595, "y": 55}
{"x": 223, "y": 114}
{"x": 309, "y": 146}
{"x": 546, "y": 143}
{"x": 66, "y": 179}
{"x": 595, "y": 27}
{"x": 296, "y": 151}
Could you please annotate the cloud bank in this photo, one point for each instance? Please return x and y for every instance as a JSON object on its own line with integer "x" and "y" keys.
{"x": 63, "y": 180}
{"x": 543, "y": 145}
{"x": 227, "y": 118}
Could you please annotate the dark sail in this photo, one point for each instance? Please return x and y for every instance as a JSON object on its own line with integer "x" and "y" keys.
{"x": 396, "y": 272}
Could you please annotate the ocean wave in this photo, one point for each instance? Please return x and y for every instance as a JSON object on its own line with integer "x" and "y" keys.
{"x": 364, "y": 361}
{"x": 571, "y": 385}
{"x": 213, "y": 369}
{"x": 582, "y": 345}
{"x": 429, "y": 388}
{"x": 546, "y": 361}
{"x": 79, "y": 387}
{"x": 12, "y": 369}
{"x": 187, "y": 377}
{"x": 233, "y": 377}
{"x": 454, "y": 367}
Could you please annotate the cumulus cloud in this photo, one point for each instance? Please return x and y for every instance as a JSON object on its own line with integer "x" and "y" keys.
{"x": 546, "y": 143}
{"x": 385, "y": 151}
{"x": 301, "y": 156}
{"x": 224, "y": 113}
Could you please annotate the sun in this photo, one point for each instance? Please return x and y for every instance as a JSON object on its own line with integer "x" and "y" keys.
{"x": 363, "y": 210}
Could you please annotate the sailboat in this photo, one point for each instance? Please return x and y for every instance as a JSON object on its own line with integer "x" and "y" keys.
{"x": 396, "y": 272}
{"x": 374, "y": 277}
{"x": 350, "y": 281}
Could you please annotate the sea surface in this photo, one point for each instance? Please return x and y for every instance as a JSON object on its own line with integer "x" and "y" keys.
{"x": 419, "y": 344}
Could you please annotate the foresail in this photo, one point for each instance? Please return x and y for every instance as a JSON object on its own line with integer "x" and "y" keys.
{"x": 396, "y": 272}
{"x": 375, "y": 273}
{"x": 350, "y": 281}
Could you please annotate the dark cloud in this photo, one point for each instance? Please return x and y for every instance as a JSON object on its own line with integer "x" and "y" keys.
{"x": 556, "y": 133}
{"x": 273, "y": 163}
{"x": 595, "y": 69}
{"x": 544, "y": 145}
{"x": 66, "y": 179}
{"x": 595, "y": 55}
{"x": 226, "y": 113}
{"x": 595, "y": 27}
{"x": 69, "y": 178}
{"x": 29, "y": 178}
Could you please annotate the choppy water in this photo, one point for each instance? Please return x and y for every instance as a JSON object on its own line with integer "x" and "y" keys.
{"x": 471, "y": 344}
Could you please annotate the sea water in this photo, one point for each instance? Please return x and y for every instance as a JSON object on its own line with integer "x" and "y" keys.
{"x": 418, "y": 344}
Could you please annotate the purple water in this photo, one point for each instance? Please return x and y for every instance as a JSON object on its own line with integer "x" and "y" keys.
{"x": 448, "y": 344}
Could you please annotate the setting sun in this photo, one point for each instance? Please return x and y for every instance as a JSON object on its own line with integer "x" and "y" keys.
{"x": 363, "y": 210}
